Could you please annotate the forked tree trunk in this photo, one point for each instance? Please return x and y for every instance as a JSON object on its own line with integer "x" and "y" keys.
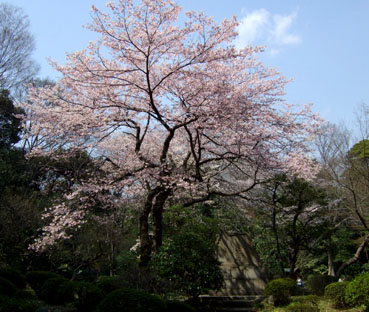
{"x": 145, "y": 241}
{"x": 157, "y": 214}
{"x": 356, "y": 257}
{"x": 154, "y": 205}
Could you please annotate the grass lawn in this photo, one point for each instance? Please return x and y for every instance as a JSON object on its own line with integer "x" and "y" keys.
{"x": 317, "y": 304}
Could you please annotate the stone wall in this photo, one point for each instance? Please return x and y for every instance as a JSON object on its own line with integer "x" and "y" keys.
{"x": 240, "y": 265}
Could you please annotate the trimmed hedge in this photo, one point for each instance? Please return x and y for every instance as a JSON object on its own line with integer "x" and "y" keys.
{"x": 108, "y": 284}
{"x": 14, "y": 276}
{"x": 179, "y": 306}
{"x": 7, "y": 288}
{"x": 129, "y": 300}
{"x": 304, "y": 304}
{"x": 316, "y": 283}
{"x": 36, "y": 279}
{"x": 59, "y": 291}
{"x": 281, "y": 289}
{"x": 87, "y": 296}
{"x": 17, "y": 305}
{"x": 52, "y": 291}
{"x": 336, "y": 293}
{"x": 357, "y": 291}
{"x": 302, "y": 307}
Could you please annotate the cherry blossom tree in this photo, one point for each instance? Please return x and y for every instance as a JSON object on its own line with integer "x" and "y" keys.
{"x": 171, "y": 111}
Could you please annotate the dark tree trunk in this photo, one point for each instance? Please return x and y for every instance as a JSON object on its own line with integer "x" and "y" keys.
{"x": 276, "y": 237}
{"x": 157, "y": 214}
{"x": 145, "y": 240}
{"x": 330, "y": 259}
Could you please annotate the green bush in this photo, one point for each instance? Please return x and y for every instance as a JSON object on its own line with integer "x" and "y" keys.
{"x": 17, "y": 305}
{"x": 129, "y": 300}
{"x": 66, "y": 292}
{"x": 108, "y": 283}
{"x": 14, "y": 276}
{"x": 317, "y": 282}
{"x": 302, "y": 307}
{"x": 307, "y": 299}
{"x": 52, "y": 291}
{"x": 87, "y": 296}
{"x": 36, "y": 279}
{"x": 336, "y": 293}
{"x": 7, "y": 288}
{"x": 281, "y": 289}
{"x": 187, "y": 263}
{"x": 178, "y": 306}
{"x": 357, "y": 291}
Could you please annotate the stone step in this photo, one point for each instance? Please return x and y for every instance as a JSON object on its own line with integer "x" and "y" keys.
{"x": 231, "y": 303}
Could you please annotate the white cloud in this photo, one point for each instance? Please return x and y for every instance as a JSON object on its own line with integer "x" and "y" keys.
{"x": 253, "y": 26}
{"x": 264, "y": 28}
{"x": 280, "y": 32}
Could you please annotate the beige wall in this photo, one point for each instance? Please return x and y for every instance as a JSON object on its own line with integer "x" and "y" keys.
{"x": 240, "y": 266}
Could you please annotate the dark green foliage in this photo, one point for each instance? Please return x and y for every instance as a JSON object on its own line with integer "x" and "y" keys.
{"x": 10, "y": 124}
{"x": 360, "y": 150}
{"x": 304, "y": 304}
{"x": 108, "y": 283}
{"x": 336, "y": 293}
{"x": 17, "y": 305}
{"x": 127, "y": 265}
{"x": 285, "y": 226}
{"x": 66, "y": 292}
{"x": 357, "y": 291}
{"x": 309, "y": 298}
{"x": 59, "y": 291}
{"x": 178, "y": 306}
{"x": 53, "y": 291}
{"x": 87, "y": 296}
{"x": 317, "y": 282}
{"x": 14, "y": 276}
{"x": 7, "y": 288}
{"x": 36, "y": 279}
{"x": 187, "y": 262}
{"x": 129, "y": 300}
{"x": 281, "y": 289}
{"x": 302, "y": 307}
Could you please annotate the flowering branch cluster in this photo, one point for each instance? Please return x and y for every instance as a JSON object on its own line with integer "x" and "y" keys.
{"x": 170, "y": 110}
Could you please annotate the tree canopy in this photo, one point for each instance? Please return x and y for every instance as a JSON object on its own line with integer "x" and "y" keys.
{"x": 170, "y": 111}
{"x": 16, "y": 48}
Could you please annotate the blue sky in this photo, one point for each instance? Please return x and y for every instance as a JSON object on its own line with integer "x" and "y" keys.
{"x": 322, "y": 44}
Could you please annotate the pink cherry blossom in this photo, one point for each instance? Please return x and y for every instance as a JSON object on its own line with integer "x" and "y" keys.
{"x": 169, "y": 110}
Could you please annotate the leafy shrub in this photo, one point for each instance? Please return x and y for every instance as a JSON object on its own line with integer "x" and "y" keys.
{"x": 87, "y": 295}
{"x": 52, "y": 291}
{"x": 307, "y": 299}
{"x": 108, "y": 284}
{"x": 336, "y": 293}
{"x": 178, "y": 306}
{"x": 36, "y": 279}
{"x": 127, "y": 268}
{"x": 17, "y": 305}
{"x": 280, "y": 289}
{"x": 129, "y": 300}
{"x": 302, "y": 307}
{"x": 317, "y": 282}
{"x": 7, "y": 288}
{"x": 66, "y": 292}
{"x": 357, "y": 291}
{"x": 14, "y": 276}
{"x": 188, "y": 263}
